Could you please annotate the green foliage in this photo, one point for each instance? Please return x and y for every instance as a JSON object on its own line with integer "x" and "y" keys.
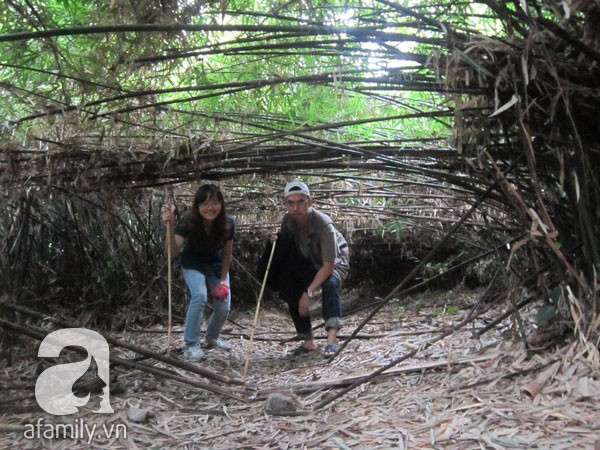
{"x": 395, "y": 302}
{"x": 448, "y": 310}
{"x": 97, "y": 68}
{"x": 545, "y": 314}
{"x": 451, "y": 310}
{"x": 393, "y": 230}
{"x": 437, "y": 268}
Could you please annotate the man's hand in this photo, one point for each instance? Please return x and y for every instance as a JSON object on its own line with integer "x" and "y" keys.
{"x": 304, "y": 305}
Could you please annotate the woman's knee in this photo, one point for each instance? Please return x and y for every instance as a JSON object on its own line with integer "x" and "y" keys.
{"x": 196, "y": 283}
{"x": 197, "y": 299}
{"x": 221, "y": 308}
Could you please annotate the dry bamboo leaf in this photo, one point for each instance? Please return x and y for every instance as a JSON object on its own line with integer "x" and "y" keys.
{"x": 524, "y": 5}
{"x": 567, "y": 8}
{"x": 385, "y": 414}
{"x": 536, "y": 386}
{"x": 584, "y": 388}
{"x": 576, "y": 183}
{"x": 514, "y": 99}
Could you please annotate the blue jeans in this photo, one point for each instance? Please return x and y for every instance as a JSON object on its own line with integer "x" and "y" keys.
{"x": 332, "y": 302}
{"x": 199, "y": 284}
{"x": 331, "y": 307}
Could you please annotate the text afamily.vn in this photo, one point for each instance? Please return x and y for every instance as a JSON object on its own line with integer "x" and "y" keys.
{"x": 78, "y": 430}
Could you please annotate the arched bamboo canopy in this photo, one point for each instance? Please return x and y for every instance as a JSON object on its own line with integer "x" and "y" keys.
{"x": 403, "y": 117}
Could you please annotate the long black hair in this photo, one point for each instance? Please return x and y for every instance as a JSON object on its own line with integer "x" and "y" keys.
{"x": 216, "y": 238}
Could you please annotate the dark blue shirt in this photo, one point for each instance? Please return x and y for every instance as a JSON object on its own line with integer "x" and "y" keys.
{"x": 197, "y": 257}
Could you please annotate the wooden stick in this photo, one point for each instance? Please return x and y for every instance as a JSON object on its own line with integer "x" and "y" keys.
{"x": 347, "y": 379}
{"x": 141, "y": 349}
{"x": 169, "y": 271}
{"x": 164, "y": 373}
{"x": 262, "y": 290}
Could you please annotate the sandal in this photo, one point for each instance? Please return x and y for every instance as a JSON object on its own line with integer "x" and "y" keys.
{"x": 301, "y": 350}
{"x": 330, "y": 350}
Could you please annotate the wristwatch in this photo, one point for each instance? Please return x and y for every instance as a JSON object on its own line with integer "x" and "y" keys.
{"x": 310, "y": 294}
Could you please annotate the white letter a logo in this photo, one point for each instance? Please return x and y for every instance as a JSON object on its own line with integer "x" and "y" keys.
{"x": 54, "y": 386}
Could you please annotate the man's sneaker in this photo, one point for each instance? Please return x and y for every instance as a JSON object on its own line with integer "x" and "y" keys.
{"x": 217, "y": 343}
{"x": 193, "y": 352}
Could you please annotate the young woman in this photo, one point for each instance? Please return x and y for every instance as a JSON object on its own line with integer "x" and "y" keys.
{"x": 204, "y": 237}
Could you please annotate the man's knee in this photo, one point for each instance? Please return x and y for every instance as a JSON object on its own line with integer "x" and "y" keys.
{"x": 331, "y": 283}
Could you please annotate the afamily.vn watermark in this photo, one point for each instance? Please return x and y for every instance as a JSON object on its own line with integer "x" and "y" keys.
{"x": 54, "y": 389}
{"x": 78, "y": 430}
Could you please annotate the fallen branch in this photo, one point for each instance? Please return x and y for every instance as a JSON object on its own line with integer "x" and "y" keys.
{"x": 138, "y": 349}
{"x": 306, "y": 387}
{"x": 36, "y": 334}
{"x": 270, "y": 339}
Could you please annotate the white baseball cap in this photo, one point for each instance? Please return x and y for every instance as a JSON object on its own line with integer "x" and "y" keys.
{"x": 296, "y": 187}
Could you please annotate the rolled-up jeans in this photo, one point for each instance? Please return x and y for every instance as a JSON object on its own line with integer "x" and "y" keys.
{"x": 199, "y": 284}
{"x": 331, "y": 308}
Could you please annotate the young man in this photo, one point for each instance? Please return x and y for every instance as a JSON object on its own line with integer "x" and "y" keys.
{"x": 312, "y": 256}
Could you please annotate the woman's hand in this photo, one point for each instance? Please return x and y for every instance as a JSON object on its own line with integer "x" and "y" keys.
{"x": 220, "y": 291}
{"x": 167, "y": 215}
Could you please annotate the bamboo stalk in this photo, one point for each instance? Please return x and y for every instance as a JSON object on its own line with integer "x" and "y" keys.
{"x": 169, "y": 280}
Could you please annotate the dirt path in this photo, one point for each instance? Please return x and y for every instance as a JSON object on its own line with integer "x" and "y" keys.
{"x": 459, "y": 393}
